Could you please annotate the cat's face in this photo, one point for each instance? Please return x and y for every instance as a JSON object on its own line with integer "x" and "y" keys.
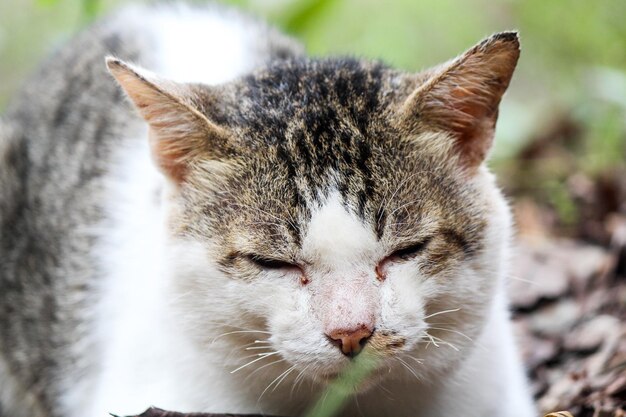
{"x": 322, "y": 207}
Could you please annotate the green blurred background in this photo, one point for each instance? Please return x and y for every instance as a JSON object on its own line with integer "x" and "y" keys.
{"x": 570, "y": 86}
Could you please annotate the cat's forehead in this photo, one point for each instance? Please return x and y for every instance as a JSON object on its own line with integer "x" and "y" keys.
{"x": 322, "y": 123}
{"x": 335, "y": 235}
{"x": 306, "y": 90}
{"x": 343, "y": 79}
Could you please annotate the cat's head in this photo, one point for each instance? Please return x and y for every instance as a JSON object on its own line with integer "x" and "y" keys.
{"x": 317, "y": 207}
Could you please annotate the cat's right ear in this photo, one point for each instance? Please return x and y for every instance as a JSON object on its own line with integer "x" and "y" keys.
{"x": 461, "y": 98}
{"x": 179, "y": 132}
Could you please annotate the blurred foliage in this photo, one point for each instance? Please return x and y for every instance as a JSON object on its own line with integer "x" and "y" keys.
{"x": 90, "y": 7}
{"x": 573, "y": 64}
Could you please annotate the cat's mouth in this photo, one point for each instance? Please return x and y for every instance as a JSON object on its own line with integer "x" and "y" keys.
{"x": 337, "y": 381}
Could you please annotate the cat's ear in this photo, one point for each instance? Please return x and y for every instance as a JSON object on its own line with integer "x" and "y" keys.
{"x": 462, "y": 97}
{"x": 179, "y": 132}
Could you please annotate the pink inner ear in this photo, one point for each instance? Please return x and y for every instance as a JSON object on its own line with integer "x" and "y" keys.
{"x": 179, "y": 132}
{"x": 475, "y": 142}
{"x": 170, "y": 161}
{"x": 475, "y": 137}
{"x": 462, "y": 98}
{"x": 466, "y": 101}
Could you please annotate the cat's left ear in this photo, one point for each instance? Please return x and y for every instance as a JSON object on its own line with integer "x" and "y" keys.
{"x": 462, "y": 97}
{"x": 180, "y": 133}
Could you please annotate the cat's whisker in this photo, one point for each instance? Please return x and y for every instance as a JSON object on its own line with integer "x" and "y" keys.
{"x": 425, "y": 342}
{"x": 261, "y": 357}
{"x": 225, "y": 324}
{"x": 258, "y": 347}
{"x": 279, "y": 378}
{"x": 358, "y": 406}
{"x": 442, "y": 312}
{"x": 452, "y": 331}
{"x": 325, "y": 398}
{"x": 286, "y": 374}
{"x": 431, "y": 339}
{"x": 265, "y": 366}
{"x": 254, "y": 343}
{"x": 233, "y": 352}
{"x": 243, "y": 347}
{"x": 239, "y": 332}
{"x": 266, "y": 353}
{"x": 386, "y": 391}
{"x": 435, "y": 339}
{"x": 418, "y": 360}
{"x": 407, "y": 366}
{"x": 254, "y": 355}
{"x": 527, "y": 281}
{"x": 298, "y": 380}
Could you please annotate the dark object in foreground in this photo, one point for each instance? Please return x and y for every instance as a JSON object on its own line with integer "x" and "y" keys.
{"x": 157, "y": 412}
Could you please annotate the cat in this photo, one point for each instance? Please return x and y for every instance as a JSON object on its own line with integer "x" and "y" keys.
{"x": 278, "y": 216}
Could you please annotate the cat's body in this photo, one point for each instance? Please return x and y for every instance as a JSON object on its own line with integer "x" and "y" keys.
{"x": 129, "y": 281}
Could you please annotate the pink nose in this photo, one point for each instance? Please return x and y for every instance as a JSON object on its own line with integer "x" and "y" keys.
{"x": 350, "y": 341}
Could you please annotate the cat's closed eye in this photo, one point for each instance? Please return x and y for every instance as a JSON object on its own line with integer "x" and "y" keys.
{"x": 409, "y": 252}
{"x": 270, "y": 263}
{"x": 405, "y": 253}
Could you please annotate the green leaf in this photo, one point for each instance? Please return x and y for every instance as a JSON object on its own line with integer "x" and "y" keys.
{"x": 340, "y": 390}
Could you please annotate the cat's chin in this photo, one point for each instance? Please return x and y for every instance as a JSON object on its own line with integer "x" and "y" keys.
{"x": 363, "y": 386}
